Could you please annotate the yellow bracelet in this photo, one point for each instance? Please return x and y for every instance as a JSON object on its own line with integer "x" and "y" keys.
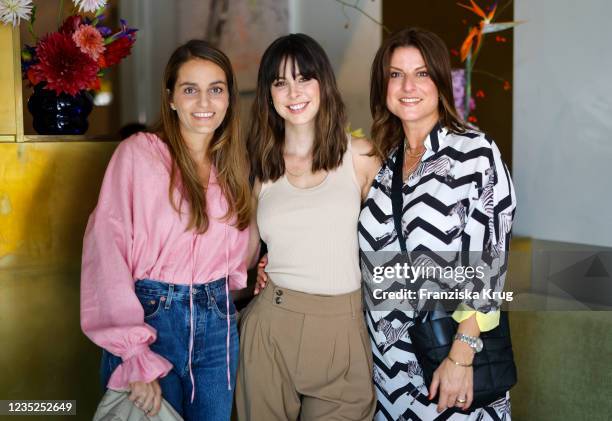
{"x": 457, "y": 362}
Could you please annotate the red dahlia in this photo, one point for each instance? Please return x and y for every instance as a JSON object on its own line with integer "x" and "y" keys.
{"x": 63, "y": 66}
{"x": 117, "y": 50}
{"x": 71, "y": 24}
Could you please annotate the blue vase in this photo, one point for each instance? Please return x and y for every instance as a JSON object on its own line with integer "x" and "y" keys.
{"x": 61, "y": 114}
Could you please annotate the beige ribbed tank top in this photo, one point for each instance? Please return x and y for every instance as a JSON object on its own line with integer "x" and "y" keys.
{"x": 311, "y": 233}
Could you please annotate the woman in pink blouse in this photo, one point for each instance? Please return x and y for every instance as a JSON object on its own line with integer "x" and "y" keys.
{"x": 167, "y": 241}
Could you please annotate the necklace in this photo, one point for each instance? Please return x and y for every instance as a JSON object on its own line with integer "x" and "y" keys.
{"x": 408, "y": 171}
{"x": 409, "y": 150}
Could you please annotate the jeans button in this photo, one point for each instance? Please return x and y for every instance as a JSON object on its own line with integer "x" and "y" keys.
{"x": 279, "y": 292}
{"x": 278, "y": 300}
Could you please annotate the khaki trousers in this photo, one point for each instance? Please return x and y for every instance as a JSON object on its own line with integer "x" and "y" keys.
{"x": 304, "y": 356}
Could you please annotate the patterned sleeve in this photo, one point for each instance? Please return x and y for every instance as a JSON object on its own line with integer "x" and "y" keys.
{"x": 486, "y": 238}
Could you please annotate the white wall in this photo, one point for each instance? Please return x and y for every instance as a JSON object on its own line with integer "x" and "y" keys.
{"x": 350, "y": 50}
{"x": 562, "y": 146}
{"x": 142, "y": 71}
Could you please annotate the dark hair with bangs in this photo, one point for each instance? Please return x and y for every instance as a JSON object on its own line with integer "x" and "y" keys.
{"x": 266, "y": 136}
{"x": 387, "y": 129}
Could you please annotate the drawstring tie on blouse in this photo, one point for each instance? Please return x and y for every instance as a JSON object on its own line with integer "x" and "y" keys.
{"x": 227, "y": 311}
{"x": 191, "y": 330}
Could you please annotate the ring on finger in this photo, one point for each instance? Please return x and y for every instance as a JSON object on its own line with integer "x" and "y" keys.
{"x": 464, "y": 400}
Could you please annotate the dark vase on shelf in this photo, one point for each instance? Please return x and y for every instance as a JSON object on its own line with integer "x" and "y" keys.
{"x": 61, "y": 114}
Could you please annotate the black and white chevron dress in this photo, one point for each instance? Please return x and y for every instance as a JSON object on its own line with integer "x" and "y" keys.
{"x": 460, "y": 197}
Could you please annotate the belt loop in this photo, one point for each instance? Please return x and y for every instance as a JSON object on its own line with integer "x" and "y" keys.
{"x": 210, "y": 298}
{"x": 169, "y": 297}
{"x": 353, "y": 305}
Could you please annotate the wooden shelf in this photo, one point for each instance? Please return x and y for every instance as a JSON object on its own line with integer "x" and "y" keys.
{"x": 68, "y": 138}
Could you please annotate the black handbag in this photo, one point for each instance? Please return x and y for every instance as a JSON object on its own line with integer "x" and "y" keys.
{"x": 433, "y": 333}
{"x": 494, "y": 370}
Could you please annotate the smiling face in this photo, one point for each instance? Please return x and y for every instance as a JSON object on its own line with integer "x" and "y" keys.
{"x": 412, "y": 95}
{"x": 200, "y": 98}
{"x": 296, "y": 98}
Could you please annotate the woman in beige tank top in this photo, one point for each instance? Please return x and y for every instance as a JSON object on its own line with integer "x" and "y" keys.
{"x": 304, "y": 350}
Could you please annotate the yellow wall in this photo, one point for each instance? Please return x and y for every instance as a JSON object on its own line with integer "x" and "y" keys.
{"x": 47, "y": 191}
{"x": 48, "y": 187}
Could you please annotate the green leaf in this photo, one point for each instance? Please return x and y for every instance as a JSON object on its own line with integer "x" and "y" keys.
{"x": 490, "y": 28}
{"x": 31, "y": 24}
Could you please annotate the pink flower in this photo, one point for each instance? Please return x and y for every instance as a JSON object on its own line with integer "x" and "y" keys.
{"x": 89, "y": 40}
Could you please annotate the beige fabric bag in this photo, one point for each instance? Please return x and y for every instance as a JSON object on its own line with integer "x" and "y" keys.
{"x": 115, "y": 406}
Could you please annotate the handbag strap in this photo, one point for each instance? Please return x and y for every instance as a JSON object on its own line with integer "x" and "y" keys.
{"x": 397, "y": 201}
{"x": 397, "y": 205}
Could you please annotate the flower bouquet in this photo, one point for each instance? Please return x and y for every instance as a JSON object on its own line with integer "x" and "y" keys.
{"x": 66, "y": 65}
{"x": 462, "y": 78}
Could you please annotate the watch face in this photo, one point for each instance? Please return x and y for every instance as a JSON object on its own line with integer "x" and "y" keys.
{"x": 478, "y": 347}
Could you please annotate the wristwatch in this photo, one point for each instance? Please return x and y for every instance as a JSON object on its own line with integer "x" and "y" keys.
{"x": 473, "y": 342}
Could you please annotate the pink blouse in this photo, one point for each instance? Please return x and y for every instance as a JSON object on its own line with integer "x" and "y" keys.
{"x": 135, "y": 233}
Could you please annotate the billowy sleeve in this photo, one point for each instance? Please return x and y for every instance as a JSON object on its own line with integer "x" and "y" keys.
{"x": 486, "y": 238}
{"x": 111, "y": 314}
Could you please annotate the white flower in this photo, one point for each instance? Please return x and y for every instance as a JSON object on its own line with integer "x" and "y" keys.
{"x": 12, "y": 11}
{"x": 89, "y": 5}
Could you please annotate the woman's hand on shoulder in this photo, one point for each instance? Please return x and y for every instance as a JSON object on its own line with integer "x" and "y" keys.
{"x": 365, "y": 162}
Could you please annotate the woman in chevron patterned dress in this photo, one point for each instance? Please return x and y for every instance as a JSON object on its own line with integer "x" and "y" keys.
{"x": 457, "y": 196}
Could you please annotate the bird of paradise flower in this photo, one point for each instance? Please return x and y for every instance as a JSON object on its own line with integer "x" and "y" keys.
{"x": 473, "y": 43}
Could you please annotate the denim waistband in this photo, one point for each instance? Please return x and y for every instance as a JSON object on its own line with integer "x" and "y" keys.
{"x": 179, "y": 291}
{"x": 199, "y": 293}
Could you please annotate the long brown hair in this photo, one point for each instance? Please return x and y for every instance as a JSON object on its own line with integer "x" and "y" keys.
{"x": 387, "y": 129}
{"x": 225, "y": 151}
{"x": 266, "y": 136}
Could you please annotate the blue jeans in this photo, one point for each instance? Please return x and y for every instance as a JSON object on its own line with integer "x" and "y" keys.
{"x": 166, "y": 308}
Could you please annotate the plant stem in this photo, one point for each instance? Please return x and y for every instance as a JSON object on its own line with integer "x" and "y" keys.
{"x": 484, "y": 72}
{"x": 504, "y": 7}
{"x": 60, "y": 12}
{"x": 31, "y": 25}
{"x": 468, "y": 85}
{"x": 359, "y": 9}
